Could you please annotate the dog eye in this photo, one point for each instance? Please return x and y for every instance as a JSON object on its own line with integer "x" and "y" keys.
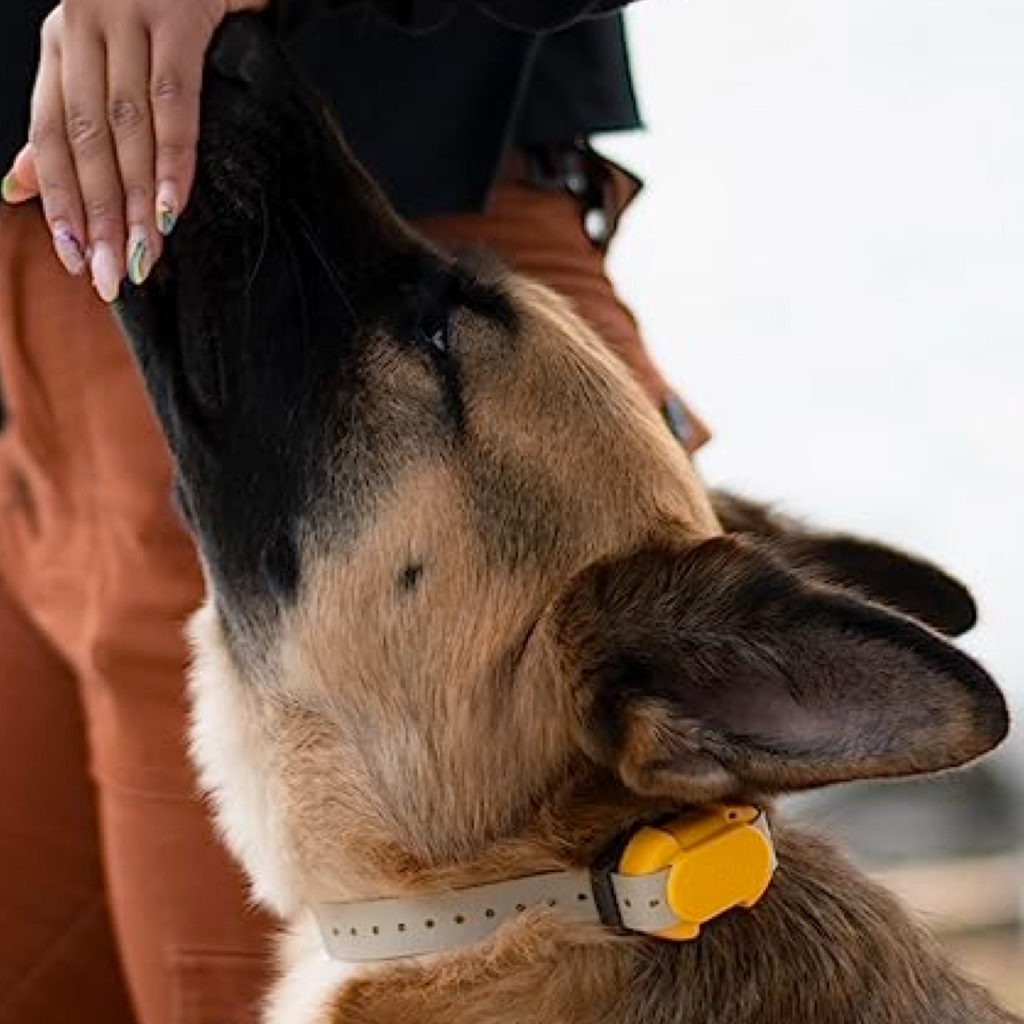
{"x": 432, "y": 333}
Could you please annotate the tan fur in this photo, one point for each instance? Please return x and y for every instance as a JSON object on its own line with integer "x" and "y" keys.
{"x": 392, "y": 737}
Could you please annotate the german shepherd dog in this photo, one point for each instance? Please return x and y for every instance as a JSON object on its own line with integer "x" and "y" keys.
{"x": 472, "y": 619}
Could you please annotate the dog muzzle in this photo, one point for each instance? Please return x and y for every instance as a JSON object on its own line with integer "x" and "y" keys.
{"x": 668, "y": 881}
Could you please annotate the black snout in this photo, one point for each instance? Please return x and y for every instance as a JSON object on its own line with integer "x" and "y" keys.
{"x": 250, "y": 331}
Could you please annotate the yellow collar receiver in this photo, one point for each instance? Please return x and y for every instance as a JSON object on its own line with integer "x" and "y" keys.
{"x": 707, "y": 863}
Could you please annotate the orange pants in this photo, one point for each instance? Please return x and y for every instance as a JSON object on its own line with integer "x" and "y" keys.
{"x": 117, "y": 904}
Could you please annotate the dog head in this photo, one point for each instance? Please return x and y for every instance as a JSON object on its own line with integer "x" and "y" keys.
{"x": 469, "y": 605}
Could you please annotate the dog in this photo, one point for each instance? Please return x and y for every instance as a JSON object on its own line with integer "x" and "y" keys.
{"x": 482, "y": 664}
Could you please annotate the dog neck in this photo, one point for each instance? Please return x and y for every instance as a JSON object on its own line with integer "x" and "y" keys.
{"x": 825, "y": 946}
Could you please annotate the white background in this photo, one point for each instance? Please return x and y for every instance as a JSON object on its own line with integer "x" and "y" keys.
{"x": 829, "y": 261}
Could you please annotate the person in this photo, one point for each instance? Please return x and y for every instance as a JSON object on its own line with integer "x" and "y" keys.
{"x": 117, "y": 903}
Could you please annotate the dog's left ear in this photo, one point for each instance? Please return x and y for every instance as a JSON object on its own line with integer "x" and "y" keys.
{"x": 717, "y": 671}
{"x": 902, "y": 581}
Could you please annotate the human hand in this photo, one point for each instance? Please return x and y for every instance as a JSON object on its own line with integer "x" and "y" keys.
{"x": 114, "y": 128}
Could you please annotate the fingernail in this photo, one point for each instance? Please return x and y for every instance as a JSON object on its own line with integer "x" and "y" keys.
{"x": 166, "y": 209}
{"x": 12, "y": 190}
{"x": 68, "y": 248}
{"x": 105, "y": 276}
{"x": 138, "y": 255}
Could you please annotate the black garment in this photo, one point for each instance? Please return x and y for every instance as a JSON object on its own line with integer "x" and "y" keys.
{"x": 429, "y": 94}
{"x": 423, "y": 15}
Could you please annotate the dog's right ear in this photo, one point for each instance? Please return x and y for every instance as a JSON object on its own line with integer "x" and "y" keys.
{"x": 717, "y": 671}
{"x": 905, "y": 582}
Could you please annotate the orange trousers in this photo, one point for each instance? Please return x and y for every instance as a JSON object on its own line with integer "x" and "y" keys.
{"x": 117, "y": 904}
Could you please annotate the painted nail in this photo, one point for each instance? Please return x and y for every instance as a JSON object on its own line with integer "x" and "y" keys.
{"x": 105, "y": 277}
{"x": 68, "y": 248}
{"x": 166, "y": 208}
{"x": 137, "y": 255}
{"x": 12, "y": 190}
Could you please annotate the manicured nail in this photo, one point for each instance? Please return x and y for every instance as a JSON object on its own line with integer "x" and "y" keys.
{"x": 166, "y": 208}
{"x": 12, "y": 190}
{"x": 68, "y": 248}
{"x": 138, "y": 255}
{"x": 105, "y": 277}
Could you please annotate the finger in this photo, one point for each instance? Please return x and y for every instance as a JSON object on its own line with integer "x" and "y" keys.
{"x": 175, "y": 84}
{"x": 92, "y": 147}
{"x": 21, "y": 182}
{"x": 131, "y": 125}
{"x": 50, "y": 157}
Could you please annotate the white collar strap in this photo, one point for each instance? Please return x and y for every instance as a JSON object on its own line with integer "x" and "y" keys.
{"x": 671, "y": 880}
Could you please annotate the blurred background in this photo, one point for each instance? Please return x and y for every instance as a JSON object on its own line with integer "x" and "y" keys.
{"x": 829, "y": 261}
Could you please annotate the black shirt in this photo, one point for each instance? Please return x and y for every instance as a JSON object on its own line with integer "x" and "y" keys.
{"x": 429, "y": 94}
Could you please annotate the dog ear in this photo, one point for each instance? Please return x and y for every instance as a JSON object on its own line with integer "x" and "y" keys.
{"x": 717, "y": 671}
{"x": 900, "y": 580}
